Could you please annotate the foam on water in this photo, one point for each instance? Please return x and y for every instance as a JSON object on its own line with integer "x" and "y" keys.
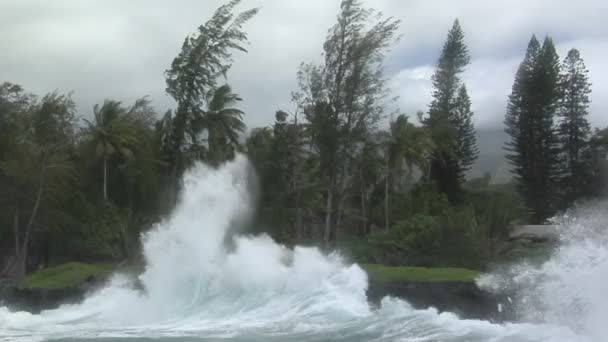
{"x": 570, "y": 289}
{"x": 205, "y": 282}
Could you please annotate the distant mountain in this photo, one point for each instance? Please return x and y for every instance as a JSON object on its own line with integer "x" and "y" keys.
{"x": 490, "y": 143}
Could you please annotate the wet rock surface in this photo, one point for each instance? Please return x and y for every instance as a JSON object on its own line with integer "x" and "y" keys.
{"x": 465, "y": 299}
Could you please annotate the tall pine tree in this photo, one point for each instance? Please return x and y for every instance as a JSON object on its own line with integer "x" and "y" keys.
{"x": 532, "y": 106}
{"x": 449, "y": 119}
{"x": 574, "y": 129}
{"x": 466, "y": 148}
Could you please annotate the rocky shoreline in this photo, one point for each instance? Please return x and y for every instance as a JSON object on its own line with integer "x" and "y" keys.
{"x": 462, "y": 298}
{"x": 465, "y": 299}
{"x": 35, "y": 300}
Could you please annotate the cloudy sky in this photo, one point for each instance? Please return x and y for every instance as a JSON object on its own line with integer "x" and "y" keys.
{"x": 120, "y": 49}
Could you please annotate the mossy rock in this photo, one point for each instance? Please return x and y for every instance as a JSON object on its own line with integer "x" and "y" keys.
{"x": 69, "y": 275}
{"x": 385, "y": 274}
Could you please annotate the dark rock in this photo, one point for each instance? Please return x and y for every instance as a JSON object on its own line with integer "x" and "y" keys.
{"x": 35, "y": 300}
{"x": 462, "y": 298}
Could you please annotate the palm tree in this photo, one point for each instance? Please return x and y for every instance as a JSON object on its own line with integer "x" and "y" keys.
{"x": 223, "y": 123}
{"x": 407, "y": 148}
{"x": 111, "y": 132}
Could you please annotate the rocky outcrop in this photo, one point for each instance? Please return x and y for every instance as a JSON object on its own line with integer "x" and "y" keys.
{"x": 35, "y": 300}
{"x": 462, "y": 298}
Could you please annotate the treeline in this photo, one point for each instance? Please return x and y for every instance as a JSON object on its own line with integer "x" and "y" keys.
{"x": 556, "y": 161}
{"x": 82, "y": 186}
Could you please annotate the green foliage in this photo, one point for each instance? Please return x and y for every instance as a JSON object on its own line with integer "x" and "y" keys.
{"x": 344, "y": 98}
{"x": 407, "y": 240}
{"x": 69, "y": 275}
{"x": 387, "y": 274}
{"x": 598, "y": 150}
{"x": 574, "y": 129}
{"x": 497, "y": 208}
{"x": 97, "y": 235}
{"x": 449, "y": 119}
{"x": 430, "y": 231}
{"x": 407, "y": 148}
{"x": 418, "y": 235}
{"x": 533, "y": 149}
{"x": 466, "y": 144}
{"x": 205, "y": 57}
{"x": 223, "y": 124}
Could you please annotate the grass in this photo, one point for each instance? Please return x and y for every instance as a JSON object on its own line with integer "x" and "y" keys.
{"x": 67, "y": 275}
{"x": 73, "y": 274}
{"x": 386, "y": 274}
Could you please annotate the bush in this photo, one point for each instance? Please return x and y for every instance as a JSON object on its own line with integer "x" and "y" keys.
{"x": 408, "y": 240}
{"x": 497, "y": 208}
{"x": 104, "y": 232}
{"x": 429, "y": 231}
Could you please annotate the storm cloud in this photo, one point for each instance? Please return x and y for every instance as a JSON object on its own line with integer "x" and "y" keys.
{"x": 120, "y": 49}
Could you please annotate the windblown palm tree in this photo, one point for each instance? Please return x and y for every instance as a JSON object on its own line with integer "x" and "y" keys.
{"x": 407, "y": 147}
{"x": 224, "y": 123}
{"x": 111, "y": 132}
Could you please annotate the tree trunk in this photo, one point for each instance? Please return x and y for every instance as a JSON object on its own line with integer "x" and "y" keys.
{"x": 328, "y": 212}
{"x": 125, "y": 242}
{"x": 339, "y": 217}
{"x": 363, "y": 206}
{"x": 342, "y": 196}
{"x": 296, "y": 189}
{"x": 105, "y": 178}
{"x": 298, "y": 223}
{"x": 11, "y": 263}
{"x": 16, "y": 230}
{"x": 299, "y": 233}
{"x": 386, "y": 198}
{"x": 30, "y": 224}
{"x": 17, "y": 268}
{"x": 174, "y": 186}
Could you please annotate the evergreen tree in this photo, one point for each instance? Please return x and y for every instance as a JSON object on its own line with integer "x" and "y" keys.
{"x": 598, "y": 152}
{"x": 466, "y": 144}
{"x": 529, "y": 121}
{"x": 574, "y": 129}
{"x": 449, "y": 119}
{"x": 37, "y": 174}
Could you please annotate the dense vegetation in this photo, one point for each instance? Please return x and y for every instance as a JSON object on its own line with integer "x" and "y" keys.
{"x": 552, "y": 159}
{"x": 84, "y": 186}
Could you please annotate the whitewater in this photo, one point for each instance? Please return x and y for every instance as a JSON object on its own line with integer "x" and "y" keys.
{"x": 206, "y": 281}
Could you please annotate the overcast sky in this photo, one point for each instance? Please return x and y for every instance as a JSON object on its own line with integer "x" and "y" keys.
{"x": 119, "y": 49}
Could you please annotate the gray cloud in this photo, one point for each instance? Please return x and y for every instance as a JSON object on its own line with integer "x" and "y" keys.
{"x": 119, "y": 49}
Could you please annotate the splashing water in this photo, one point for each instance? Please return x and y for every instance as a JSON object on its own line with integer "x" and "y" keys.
{"x": 569, "y": 289}
{"x": 197, "y": 289}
